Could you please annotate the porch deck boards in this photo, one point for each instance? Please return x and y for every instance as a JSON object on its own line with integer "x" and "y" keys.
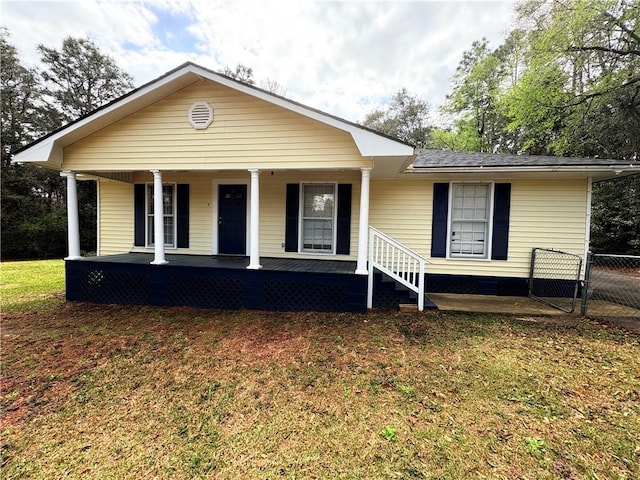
{"x": 234, "y": 262}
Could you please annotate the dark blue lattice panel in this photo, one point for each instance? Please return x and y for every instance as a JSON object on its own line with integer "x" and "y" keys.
{"x": 217, "y": 292}
{"x": 303, "y": 296}
{"x": 123, "y": 288}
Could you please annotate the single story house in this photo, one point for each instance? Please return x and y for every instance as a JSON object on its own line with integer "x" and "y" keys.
{"x": 270, "y": 204}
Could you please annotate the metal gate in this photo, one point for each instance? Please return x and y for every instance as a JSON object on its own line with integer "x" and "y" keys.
{"x": 554, "y": 278}
{"x": 612, "y": 287}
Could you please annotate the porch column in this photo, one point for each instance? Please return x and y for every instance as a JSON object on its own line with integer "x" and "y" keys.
{"x": 363, "y": 230}
{"x": 254, "y": 240}
{"x": 73, "y": 221}
{"x": 158, "y": 220}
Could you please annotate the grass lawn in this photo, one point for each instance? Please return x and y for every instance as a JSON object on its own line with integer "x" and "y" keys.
{"x": 101, "y": 391}
{"x": 30, "y": 284}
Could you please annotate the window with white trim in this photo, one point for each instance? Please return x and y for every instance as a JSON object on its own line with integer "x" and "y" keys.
{"x": 318, "y": 217}
{"x": 469, "y": 220}
{"x": 169, "y": 217}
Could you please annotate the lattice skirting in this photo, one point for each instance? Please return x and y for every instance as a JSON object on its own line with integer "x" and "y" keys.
{"x": 476, "y": 285}
{"x": 127, "y": 284}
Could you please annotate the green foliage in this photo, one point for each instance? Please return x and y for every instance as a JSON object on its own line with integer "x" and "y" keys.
{"x": 535, "y": 446}
{"x": 581, "y": 93}
{"x": 390, "y": 433}
{"x": 405, "y": 117}
{"x": 531, "y": 106}
{"x": 32, "y": 198}
{"x": 80, "y": 78}
{"x": 616, "y": 209}
{"x": 478, "y": 83}
{"x": 566, "y": 82}
{"x": 77, "y": 79}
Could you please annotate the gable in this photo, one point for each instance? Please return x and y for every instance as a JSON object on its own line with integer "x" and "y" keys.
{"x": 246, "y": 132}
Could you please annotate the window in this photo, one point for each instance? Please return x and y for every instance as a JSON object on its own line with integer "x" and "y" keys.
{"x": 469, "y": 217}
{"x": 318, "y": 217}
{"x": 168, "y": 208}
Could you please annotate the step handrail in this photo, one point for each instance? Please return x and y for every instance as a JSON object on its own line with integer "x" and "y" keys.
{"x": 398, "y": 261}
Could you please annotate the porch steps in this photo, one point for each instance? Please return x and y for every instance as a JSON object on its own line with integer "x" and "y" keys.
{"x": 391, "y": 295}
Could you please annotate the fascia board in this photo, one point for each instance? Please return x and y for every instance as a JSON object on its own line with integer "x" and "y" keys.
{"x": 372, "y": 145}
{"x": 40, "y": 152}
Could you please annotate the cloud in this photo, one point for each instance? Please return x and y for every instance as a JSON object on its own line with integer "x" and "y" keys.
{"x": 343, "y": 57}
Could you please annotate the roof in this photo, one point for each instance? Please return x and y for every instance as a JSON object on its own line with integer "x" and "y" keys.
{"x": 48, "y": 149}
{"x": 456, "y": 162}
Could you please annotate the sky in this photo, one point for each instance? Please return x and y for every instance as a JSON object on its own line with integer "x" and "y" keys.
{"x": 343, "y": 57}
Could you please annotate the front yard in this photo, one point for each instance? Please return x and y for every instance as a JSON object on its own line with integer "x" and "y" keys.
{"x": 98, "y": 391}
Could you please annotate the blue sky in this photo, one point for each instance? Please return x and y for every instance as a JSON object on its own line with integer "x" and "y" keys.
{"x": 343, "y": 57}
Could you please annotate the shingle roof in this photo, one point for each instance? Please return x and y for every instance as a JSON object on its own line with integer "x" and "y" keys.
{"x": 448, "y": 159}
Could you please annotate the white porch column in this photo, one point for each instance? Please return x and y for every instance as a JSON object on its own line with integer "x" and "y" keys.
{"x": 254, "y": 225}
{"x": 363, "y": 230}
{"x": 73, "y": 220}
{"x": 158, "y": 220}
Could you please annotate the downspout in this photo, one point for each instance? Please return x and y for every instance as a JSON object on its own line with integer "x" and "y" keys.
{"x": 587, "y": 232}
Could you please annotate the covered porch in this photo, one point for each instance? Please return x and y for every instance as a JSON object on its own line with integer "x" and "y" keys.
{"x": 218, "y": 282}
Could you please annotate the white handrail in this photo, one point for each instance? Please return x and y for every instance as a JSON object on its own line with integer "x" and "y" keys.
{"x": 398, "y": 262}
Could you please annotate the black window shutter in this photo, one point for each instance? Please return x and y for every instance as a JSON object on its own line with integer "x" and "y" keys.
{"x": 139, "y": 199}
{"x": 439, "y": 221}
{"x": 343, "y": 228}
{"x": 182, "y": 210}
{"x": 501, "y": 208}
{"x": 291, "y": 217}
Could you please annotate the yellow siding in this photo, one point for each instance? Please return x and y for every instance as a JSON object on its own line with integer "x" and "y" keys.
{"x": 272, "y": 211}
{"x": 544, "y": 213}
{"x": 116, "y": 211}
{"x": 116, "y": 217}
{"x": 246, "y": 133}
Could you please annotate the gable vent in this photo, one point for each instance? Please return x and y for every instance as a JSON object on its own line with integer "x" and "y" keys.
{"x": 200, "y": 115}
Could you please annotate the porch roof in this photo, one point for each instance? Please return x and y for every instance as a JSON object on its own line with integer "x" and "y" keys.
{"x": 442, "y": 161}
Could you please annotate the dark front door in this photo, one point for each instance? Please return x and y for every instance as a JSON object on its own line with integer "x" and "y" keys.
{"x": 232, "y": 219}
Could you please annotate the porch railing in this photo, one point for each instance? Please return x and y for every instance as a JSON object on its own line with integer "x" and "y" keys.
{"x": 398, "y": 262}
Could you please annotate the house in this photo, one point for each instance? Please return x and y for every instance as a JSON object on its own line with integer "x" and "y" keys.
{"x": 270, "y": 204}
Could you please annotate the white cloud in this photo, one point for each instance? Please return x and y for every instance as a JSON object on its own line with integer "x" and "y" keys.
{"x": 343, "y": 57}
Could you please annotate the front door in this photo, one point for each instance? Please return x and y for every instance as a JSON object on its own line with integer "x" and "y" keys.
{"x": 232, "y": 219}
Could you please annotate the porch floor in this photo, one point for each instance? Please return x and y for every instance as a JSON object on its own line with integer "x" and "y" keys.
{"x": 234, "y": 262}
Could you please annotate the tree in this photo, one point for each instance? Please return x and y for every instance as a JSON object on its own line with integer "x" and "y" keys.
{"x": 76, "y": 80}
{"x": 273, "y": 87}
{"x": 33, "y": 223}
{"x": 405, "y": 117}
{"x": 241, "y": 73}
{"x": 594, "y": 48}
{"x": 79, "y": 78}
{"x": 567, "y": 82}
{"x": 615, "y": 214}
{"x": 481, "y": 77}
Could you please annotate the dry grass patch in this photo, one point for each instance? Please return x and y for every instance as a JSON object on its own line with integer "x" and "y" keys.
{"x": 125, "y": 392}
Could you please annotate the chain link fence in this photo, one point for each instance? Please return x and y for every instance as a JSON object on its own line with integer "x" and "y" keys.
{"x": 612, "y": 287}
{"x": 554, "y": 278}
